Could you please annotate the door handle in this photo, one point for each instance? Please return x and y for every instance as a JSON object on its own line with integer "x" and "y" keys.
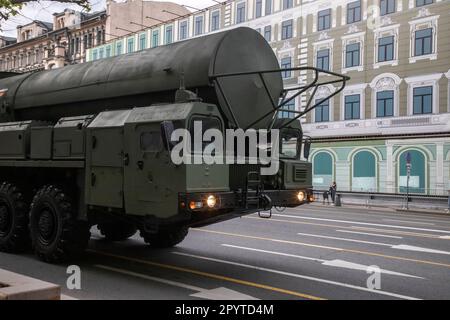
{"x": 140, "y": 165}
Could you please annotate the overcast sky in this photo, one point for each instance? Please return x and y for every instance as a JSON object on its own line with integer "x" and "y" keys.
{"x": 43, "y": 10}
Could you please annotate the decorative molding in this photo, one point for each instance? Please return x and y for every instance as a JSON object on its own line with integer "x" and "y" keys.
{"x": 323, "y": 36}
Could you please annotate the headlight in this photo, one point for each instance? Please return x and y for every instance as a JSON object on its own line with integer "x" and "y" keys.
{"x": 211, "y": 201}
{"x": 301, "y": 196}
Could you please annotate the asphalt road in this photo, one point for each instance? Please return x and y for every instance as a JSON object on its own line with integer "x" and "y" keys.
{"x": 310, "y": 252}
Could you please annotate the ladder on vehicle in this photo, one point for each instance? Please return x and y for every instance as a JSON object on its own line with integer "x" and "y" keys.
{"x": 254, "y": 190}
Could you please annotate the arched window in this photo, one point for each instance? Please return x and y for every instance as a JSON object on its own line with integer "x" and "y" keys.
{"x": 417, "y": 180}
{"x": 323, "y": 170}
{"x": 364, "y": 175}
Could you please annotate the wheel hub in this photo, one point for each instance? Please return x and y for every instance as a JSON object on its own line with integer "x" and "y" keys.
{"x": 5, "y": 220}
{"x": 46, "y": 225}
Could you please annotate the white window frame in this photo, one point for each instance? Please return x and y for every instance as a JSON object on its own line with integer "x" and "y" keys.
{"x": 350, "y": 39}
{"x": 423, "y": 81}
{"x": 389, "y": 31}
{"x": 322, "y": 45}
{"x": 420, "y": 24}
{"x": 350, "y": 90}
{"x": 385, "y": 82}
{"x": 210, "y": 20}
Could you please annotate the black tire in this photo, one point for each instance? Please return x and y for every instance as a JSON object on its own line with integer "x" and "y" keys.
{"x": 166, "y": 238}
{"x": 14, "y": 235}
{"x": 117, "y": 231}
{"x": 56, "y": 234}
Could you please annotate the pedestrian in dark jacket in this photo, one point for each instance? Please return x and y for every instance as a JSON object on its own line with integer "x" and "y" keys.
{"x": 325, "y": 197}
{"x": 332, "y": 191}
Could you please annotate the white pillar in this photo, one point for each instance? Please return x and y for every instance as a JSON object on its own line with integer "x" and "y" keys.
{"x": 390, "y": 168}
{"x": 440, "y": 183}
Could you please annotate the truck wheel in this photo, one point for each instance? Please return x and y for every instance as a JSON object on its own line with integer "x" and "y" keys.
{"x": 116, "y": 231}
{"x": 165, "y": 238}
{"x": 56, "y": 234}
{"x": 14, "y": 235}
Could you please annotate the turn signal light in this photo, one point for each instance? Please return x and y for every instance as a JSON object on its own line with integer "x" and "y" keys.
{"x": 195, "y": 205}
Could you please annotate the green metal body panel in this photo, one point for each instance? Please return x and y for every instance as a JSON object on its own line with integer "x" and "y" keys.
{"x": 41, "y": 143}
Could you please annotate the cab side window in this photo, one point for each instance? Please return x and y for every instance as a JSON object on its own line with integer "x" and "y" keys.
{"x": 151, "y": 141}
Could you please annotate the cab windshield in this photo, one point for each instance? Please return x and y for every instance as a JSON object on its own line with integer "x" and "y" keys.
{"x": 290, "y": 143}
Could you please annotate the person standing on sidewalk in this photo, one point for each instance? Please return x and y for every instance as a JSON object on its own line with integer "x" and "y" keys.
{"x": 332, "y": 191}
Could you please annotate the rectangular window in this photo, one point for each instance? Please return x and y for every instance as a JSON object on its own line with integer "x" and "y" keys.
{"x": 268, "y": 33}
{"x": 215, "y": 21}
{"x": 322, "y": 111}
{"x": 387, "y": 7}
{"x": 352, "y": 106}
{"x": 101, "y": 53}
{"x": 108, "y": 51}
{"x": 198, "y": 30}
{"x": 323, "y": 59}
{"x": 423, "y": 42}
{"x": 183, "y": 34}
{"x": 169, "y": 35}
{"x": 287, "y": 4}
{"x": 423, "y": 100}
{"x": 258, "y": 8}
{"x": 354, "y": 12}
{"x": 286, "y": 63}
{"x": 130, "y": 45}
{"x": 142, "y": 41}
{"x": 240, "y": 12}
{"x": 286, "y": 114}
{"x": 119, "y": 48}
{"x": 420, "y": 3}
{"x": 324, "y": 20}
{"x": 94, "y": 55}
{"x": 155, "y": 38}
{"x": 268, "y": 7}
{"x": 286, "y": 29}
{"x": 386, "y": 49}
{"x": 385, "y": 103}
{"x": 352, "y": 55}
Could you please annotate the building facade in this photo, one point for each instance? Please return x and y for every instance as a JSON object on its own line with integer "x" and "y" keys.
{"x": 43, "y": 45}
{"x": 396, "y": 105}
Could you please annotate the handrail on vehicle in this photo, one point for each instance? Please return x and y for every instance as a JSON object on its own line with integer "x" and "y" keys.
{"x": 315, "y": 84}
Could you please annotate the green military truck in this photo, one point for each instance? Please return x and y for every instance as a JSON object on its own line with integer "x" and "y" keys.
{"x": 89, "y": 144}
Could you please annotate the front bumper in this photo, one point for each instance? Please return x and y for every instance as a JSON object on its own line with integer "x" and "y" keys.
{"x": 233, "y": 204}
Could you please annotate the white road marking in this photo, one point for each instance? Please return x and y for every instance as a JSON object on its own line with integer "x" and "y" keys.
{"x": 295, "y": 275}
{"x": 419, "y": 249}
{"x": 331, "y": 263}
{"x": 213, "y": 294}
{"x": 370, "y": 234}
{"x": 445, "y": 237}
{"x": 345, "y": 239}
{"x": 392, "y": 246}
{"x": 411, "y": 222}
{"x": 361, "y": 223}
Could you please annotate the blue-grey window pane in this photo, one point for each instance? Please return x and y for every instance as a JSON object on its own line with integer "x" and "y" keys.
{"x": 423, "y": 100}
{"x": 423, "y": 42}
{"x": 386, "y": 49}
{"x": 268, "y": 33}
{"x": 286, "y": 63}
{"x": 385, "y": 103}
{"x": 155, "y": 38}
{"x": 354, "y": 12}
{"x": 169, "y": 38}
{"x": 324, "y": 20}
{"x": 130, "y": 45}
{"x": 352, "y": 55}
{"x": 198, "y": 25}
{"x": 268, "y": 7}
{"x": 142, "y": 42}
{"x": 420, "y": 3}
{"x": 323, "y": 59}
{"x": 287, "y": 114}
{"x": 258, "y": 8}
{"x": 287, "y": 4}
{"x": 352, "y": 106}
{"x": 387, "y": 7}
{"x": 183, "y": 34}
{"x": 322, "y": 111}
{"x": 240, "y": 12}
{"x": 286, "y": 29}
{"x": 119, "y": 49}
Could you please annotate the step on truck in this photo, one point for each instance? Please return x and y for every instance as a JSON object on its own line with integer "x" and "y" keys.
{"x": 90, "y": 144}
